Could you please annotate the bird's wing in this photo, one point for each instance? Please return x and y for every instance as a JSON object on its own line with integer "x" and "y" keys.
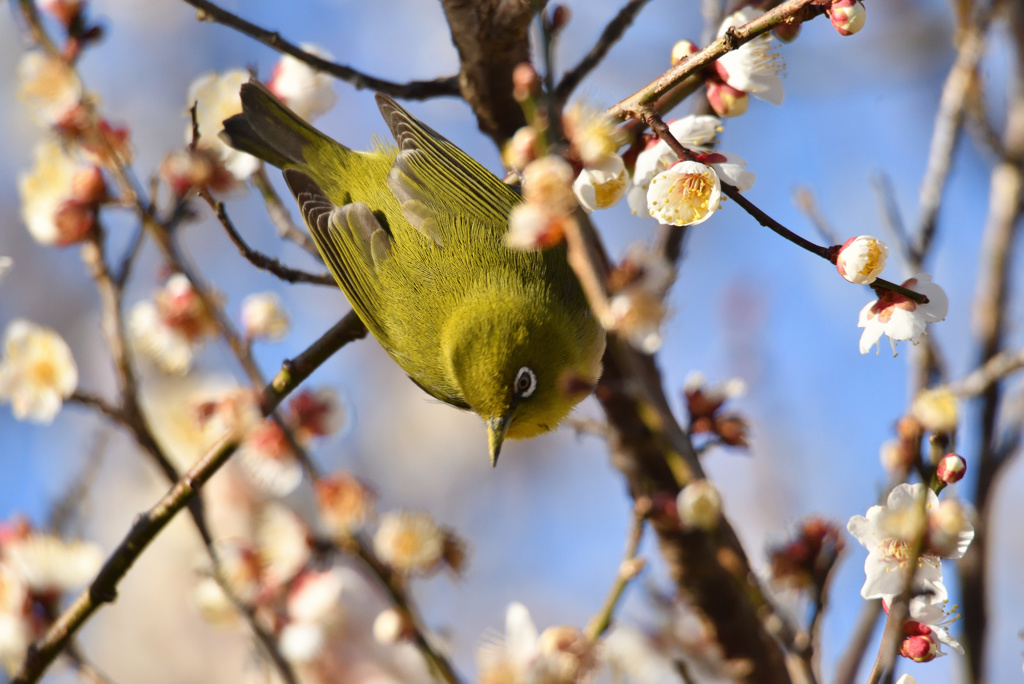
{"x": 431, "y": 177}
{"x": 351, "y": 241}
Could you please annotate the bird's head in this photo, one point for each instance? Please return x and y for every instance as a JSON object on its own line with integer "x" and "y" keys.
{"x": 521, "y": 366}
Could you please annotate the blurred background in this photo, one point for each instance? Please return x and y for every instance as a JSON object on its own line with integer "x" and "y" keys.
{"x": 547, "y": 527}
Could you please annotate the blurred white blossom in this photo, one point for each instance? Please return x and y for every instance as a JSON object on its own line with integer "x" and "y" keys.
{"x": 308, "y": 92}
{"x": 37, "y": 371}
{"x": 409, "y": 541}
{"x": 59, "y": 196}
{"x": 170, "y": 327}
{"x": 49, "y": 564}
{"x": 263, "y": 316}
{"x": 48, "y": 86}
{"x": 216, "y": 98}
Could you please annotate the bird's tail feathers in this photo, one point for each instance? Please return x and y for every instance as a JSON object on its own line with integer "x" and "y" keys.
{"x": 267, "y": 129}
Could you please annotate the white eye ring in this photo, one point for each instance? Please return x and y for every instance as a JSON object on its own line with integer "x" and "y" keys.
{"x": 526, "y": 382}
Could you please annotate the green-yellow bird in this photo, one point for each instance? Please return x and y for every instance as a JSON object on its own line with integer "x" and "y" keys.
{"x": 415, "y": 237}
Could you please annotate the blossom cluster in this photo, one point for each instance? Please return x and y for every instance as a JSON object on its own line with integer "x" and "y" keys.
{"x": 36, "y": 568}
{"x": 913, "y": 518}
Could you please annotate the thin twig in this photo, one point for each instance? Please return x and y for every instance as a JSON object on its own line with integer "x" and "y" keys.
{"x": 893, "y": 219}
{"x": 899, "y": 609}
{"x": 948, "y": 124}
{"x": 636, "y": 104}
{"x": 611, "y": 34}
{"x": 803, "y": 198}
{"x": 659, "y": 127}
{"x": 414, "y": 90}
{"x": 104, "y": 588}
{"x": 997, "y": 367}
{"x": 260, "y": 260}
{"x": 849, "y": 662}
{"x": 395, "y": 589}
{"x": 629, "y": 568}
{"x": 279, "y": 216}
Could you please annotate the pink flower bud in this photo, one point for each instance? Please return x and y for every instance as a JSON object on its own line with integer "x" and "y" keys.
{"x": 921, "y": 648}
{"x": 682, "y": 50}
{"x": 525, "y": 82}
{"x": 847, "y": 16}
{"x": 726, "y": 100}
{"x": 560, "y": 15}
{"x": 88, "y": 186}
{"x": 787, "y": 33}
{"x": 951, "y": 468}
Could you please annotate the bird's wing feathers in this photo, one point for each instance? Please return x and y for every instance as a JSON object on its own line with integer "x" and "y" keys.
{"x": 432, "y": 177}
{"x": 351, "y": 241}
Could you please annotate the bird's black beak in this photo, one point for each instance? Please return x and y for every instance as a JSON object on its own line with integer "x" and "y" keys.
{"x": 497, "y": 427}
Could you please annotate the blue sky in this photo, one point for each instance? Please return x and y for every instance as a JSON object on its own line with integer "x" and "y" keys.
{"x": 547, "y": 527}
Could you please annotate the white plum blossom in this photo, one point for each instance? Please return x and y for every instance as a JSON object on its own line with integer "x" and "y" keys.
{"x": 59, "y": 196}
{"x": 861, "y": 259}
{"x": 316, "y": 597}
{"x": 899, "y": 317}
{"x": 171, "y": 326}
{"x": 48, "y": 85}
{"x": 308, "y": 92}
{"x": 685, "y": 195}
{"x": 541, "y": 220}
{"x": 282, "y": 542}
{"x": 636, "y": 309}
{"x": 695, "y": 133}
{"x": 264, "y": 317}
{"x": 936, "y": 619}
{"x": 936, "y": 409}
{"x": 699, "y": 505}
{"x": 594, "y": 135}
{"x": 754, "y": 67}
{"x": 409, "y": 541}
{"x": 559, "y": 655}
{"x": 37, "y": 371}
{"x": 267, "y": 460}
{"x": 602, "y": 183}
{"x": 49, "y": 564}
{"x": 511, "y": 659}
{"x": 216, "y": 98}
{"x": 635, "y": 655}
{"x": 689, "y": 192}
{"x": 887, "y": 533}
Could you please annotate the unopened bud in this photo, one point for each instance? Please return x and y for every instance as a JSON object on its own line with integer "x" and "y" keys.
{"x": 390, "y": 627}
{"x": 861, "y": 259}
{"x": 700, "y": 506}
{"x": 951, "y": 468}
{"x": 521, "y": 149}
{"x": 847, "y": 16}
{"x": 682, "y": 50}
{"x": 726, "y": 100}
{"x": 787, "y": 32}
{"x": 525, "y": 82}
{"x": 558, "y": 18}
{"x": 921, "y": 648}
{"x": 936, "y": 410}
{"x": 88, "y": 186}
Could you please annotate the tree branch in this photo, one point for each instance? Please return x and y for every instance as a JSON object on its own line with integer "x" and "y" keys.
{"x": 611, "y": 34}
{"x": 414, "y": 90}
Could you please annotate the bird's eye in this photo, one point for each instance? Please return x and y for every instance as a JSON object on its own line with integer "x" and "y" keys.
{"x": 526, "y": 382}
